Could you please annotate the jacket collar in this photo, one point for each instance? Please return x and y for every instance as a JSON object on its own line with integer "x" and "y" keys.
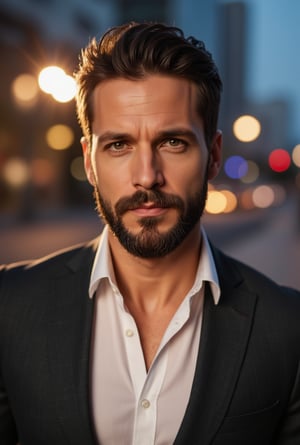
{"x": 69, "y": 332}
{"x": 225, "y": 333}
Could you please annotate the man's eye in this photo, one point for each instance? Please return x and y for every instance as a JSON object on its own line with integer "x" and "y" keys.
{"x": 117, "y": 146}
{"x": 174, "y": 143}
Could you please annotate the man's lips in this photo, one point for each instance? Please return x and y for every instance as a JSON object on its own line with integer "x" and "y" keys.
{"x": 149, "y": 209}
{"x": 149, "y": 203}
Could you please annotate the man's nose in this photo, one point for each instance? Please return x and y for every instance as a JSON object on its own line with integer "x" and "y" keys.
{"x": 147, "y": 168}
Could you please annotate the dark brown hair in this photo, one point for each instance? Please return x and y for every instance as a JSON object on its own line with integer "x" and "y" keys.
{"x": 135, "y": 50}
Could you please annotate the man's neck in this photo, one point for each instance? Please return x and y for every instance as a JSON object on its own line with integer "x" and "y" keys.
{"x": 153, "y": 289}
{"x": 152, "y": 284}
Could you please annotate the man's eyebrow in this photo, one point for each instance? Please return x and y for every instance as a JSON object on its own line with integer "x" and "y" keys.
{"x": 111, "y": 136}
{"x": 175, "y": 132}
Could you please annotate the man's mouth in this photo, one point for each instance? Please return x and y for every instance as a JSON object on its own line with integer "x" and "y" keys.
{"x": 152, "y": 203}
{"x": 149, "y": 209}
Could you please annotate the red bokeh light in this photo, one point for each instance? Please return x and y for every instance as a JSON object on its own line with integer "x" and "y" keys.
{"x": 279, "y": 160}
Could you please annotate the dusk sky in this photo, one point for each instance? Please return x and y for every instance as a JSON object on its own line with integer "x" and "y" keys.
{"x": 273, "y": 69}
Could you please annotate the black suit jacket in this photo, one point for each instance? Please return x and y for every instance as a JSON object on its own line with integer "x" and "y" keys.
{"x": 246, "y": 388}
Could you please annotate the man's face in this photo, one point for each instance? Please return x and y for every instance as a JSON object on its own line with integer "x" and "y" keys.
{"x": 149, "y": 163}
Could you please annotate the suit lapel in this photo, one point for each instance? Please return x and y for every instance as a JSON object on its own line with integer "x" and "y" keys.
{"x": 69, "y": 335}
{"x": 224, "y": 338}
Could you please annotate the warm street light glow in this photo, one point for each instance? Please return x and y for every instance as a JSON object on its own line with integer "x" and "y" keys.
{"x": 59, "y": 137}
{"x": 263, "y": 196}
{"x": 42, "y": 172}
{"x": 246, "y": 128}
{"x": 216, "y": 202}
{"x": 53, "y": 80}
{"x": 16, "y": 172}
{"x": 25, "y": 89}
{"x": 65, "y": 90}
{"x": 296, "y": 155}
{"x": 231, "y": 201}
{"x": 49, "y": 77}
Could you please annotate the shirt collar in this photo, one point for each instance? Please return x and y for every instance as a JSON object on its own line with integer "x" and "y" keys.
{"x": 103, "y": 268}
{"x": 207, "y": 270}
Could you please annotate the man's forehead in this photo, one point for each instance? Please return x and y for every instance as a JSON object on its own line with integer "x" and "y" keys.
{"x": 151, "y": 86}
{"x": 161, "y": 96}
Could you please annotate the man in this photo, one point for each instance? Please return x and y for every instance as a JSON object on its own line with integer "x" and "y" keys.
{"x": 148, "y": 335}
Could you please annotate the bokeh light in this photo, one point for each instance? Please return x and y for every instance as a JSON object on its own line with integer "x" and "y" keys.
{"x": 77, "y": 169}
{"x": 49, "y": 77}
{"x": 59, "y": 137}
{"x": 53, "y": 80}
{"x": 236, "y": 167}
{"x": 25, "y": 89}
{"x": 263, "y": 196}
{"x": 65, "y": 90}
{"x": 252, "y": 173}
{"x": 296, "y": 155}
{"x": 246, "y": 201}
{"x": 246, "y": 128}
{"x": 42, "y": 172}
{"x": 16, "y": 172}
{"x": 279, "y": 160}
{"x": 231, "y": 201}
{"x": 216, "y": 202}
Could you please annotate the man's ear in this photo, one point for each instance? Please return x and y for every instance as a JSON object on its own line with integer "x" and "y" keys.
{"x": 215, "y": 155}
{"x": 86, "y": 151}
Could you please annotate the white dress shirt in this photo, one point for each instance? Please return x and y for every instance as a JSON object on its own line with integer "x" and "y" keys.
{"x": 131, "y": 406}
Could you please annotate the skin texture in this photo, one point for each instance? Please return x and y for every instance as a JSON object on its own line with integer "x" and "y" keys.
{"x": 148, "y": 139}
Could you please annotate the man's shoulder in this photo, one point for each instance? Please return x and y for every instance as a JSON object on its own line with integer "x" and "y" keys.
{"x": 267, "y": 290}
{"x": 53, "y": 265}
{"x": 31, "y": 290}
{"x": 260, "y": 283}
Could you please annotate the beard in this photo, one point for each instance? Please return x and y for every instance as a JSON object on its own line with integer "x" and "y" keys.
{"x": 150, "y": 242}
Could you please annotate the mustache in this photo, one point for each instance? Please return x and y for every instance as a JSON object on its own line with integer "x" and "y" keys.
{"x": 156, "y": 197}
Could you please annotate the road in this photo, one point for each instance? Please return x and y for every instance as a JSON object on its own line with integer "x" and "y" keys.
{"x": 273, "y": 246}
{"x": 269, "y": 240}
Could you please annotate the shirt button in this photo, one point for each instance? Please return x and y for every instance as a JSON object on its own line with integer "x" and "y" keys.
{"x": 145, "y": 403}
{"x": 129, "y": 333}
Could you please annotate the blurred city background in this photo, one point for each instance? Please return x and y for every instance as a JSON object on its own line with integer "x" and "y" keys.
{"x": 253, "y": 208}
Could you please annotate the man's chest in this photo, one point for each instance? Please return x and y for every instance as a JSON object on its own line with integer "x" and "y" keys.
{"x": 129, "y": 399}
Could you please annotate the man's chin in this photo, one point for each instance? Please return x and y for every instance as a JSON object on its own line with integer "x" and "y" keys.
{"x": 149, "y": 242}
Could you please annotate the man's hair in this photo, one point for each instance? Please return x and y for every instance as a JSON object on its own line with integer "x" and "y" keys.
{"x": 136, "y": 50}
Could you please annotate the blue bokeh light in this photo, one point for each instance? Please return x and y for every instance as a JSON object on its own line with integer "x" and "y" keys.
{"x": 236, "y": 167}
